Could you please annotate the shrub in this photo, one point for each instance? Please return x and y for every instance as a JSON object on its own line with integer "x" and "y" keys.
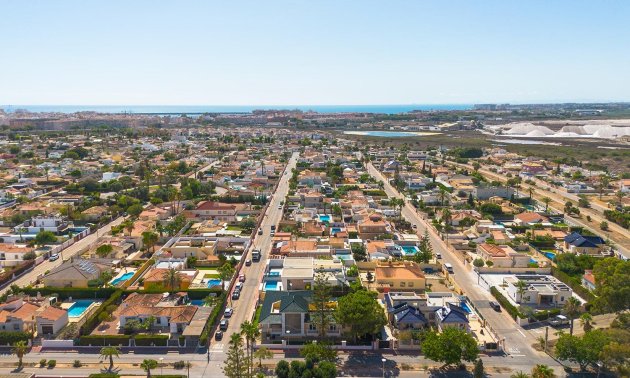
{"x": 505, "y": 303}
{"x": 12, "y": 337}
{"x": 42, "y": 362}
{"x": 212, "y": 319}
{"x": 74, "y": 292}
{"x": 179, "y": 364}
{"x": 93, "y": 321}
{"x": 52, "y": 363}
{"x": 104, "y": 375}
{"x": 76, "y": 364}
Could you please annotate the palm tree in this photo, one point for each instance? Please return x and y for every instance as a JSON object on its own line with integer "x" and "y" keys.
{"x": 128, "y": 225}
{"x": 572, "y": 309}
{"x": 546, "y": 201}
{"x": 542, "y": 371}
{"x": 172, "y": 279}
{"x": 521, "y": 287}
{"x": 603, "y": 184}
{"x": 147, "y": 365}
{"x": 262, "y": 353}
{"x": 226, "y": 271}
{"x": 19, "y": 349}
{"x": 209, "y": 300}
{"x": 149, "y": 239}
{"x": 110, "y": 352}
{"x": 587, "y": 321}
{"x": 619, "y": 194}
{"x": 251, "y": 332}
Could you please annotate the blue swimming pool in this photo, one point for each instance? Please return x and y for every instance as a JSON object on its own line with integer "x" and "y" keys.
{"x": 122, "y": 278}
{"x": 464, "y": 305}
{"x": 532, "y": 261}
{"x": 214, "y": 282}
{"x": 78, "y": 307}
{"x": 334, "y": 230}
{"x": 274, "y": 272}
{"x": 197, "y": 302}
{"x": 271, "y": 286}
{"x": 549, "y": 255}
{"x": 324, "y": 218}
{"x": 409, "y": 249}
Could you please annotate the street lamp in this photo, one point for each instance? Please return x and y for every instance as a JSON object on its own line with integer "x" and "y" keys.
{"x": 383, "y": 361}
{"x": 161, "y": 365}
{"x": 288, "y": 334}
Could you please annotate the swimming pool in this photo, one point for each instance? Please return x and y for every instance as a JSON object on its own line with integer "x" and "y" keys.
{"x": 274, "y": 272}
{"x": 122, "y": 278}
{"x": 197, "y": 302}
{"x": 78, "y": 307}
{"x": 271, "y": 286}
{"x": 335, "y": 230}
{"x": 409, "y": 249}
{"x": 464, "y": 305}
{"x": 324, "y": 218}
{"x": 549, "y": 255}
{"x": 214, "y": 282}
{"x": 532, "y": 261}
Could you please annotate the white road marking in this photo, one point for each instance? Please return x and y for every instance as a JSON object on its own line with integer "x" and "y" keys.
{"x": 521, "y": 332}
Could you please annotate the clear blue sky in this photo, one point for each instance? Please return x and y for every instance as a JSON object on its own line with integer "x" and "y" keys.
{"x": 313, "y": 52}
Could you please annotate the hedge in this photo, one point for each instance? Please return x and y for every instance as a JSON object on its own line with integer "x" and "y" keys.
{"x": 11, "y": 337}
{"x": 212, "y": 319}
{"x": 147, "y": 340}
{"x": 102, "y": 340}
{"x": 505, "y": 303}
{"x": 137, "y": 274}
{"x": 203, "y": 293}
{"x": 74, "y": 292}
{"x": 573, "y": 283}
{"x": 92, "y": 322}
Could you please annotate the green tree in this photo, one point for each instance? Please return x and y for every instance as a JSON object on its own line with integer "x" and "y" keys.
{"x": 263, "y": 353}
{"x": 19, "y": 349}
{"x": 478, "y": 372}
{"x": 172, "y": 279}
{"x": 361, "y": 312}
{"x": 321, "y": 316}
{"x": 542, "y": 371}
{"x": 251, "y": 332}
{"x": 104, "y": 250}
{"x": 613, "y": 285}
{"x": 147, "y": 365}
{"x": 587, "y": 321}
{"x": 520, "y": 374}
{"x": 135, "y": 210}
{"x": 226, "y": 271}
{"x": 318, "y": 352}
{"x": 236, "y": 365}
{"x": 572, "y": 310}
{"x": 282, "y": 369}
{"x": 584, "y": 350}
{"x": 616, "y": 356}
{"x": 450, "y": 347}
{"x": 110, "y": 352}
{"x": 478, "y": 262}
{"x": 358, "y": 252}
{"x": 546, "y": 201}
{"x": 150, "y": 239}
{"x": 45, "y": 237}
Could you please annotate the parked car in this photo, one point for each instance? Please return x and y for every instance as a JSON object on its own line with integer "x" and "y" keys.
{"x": 241, "y": 278}
{"x": 223, "y": 326}
{"x": 558, "y": 321}
{"x": 495, "y": 305}
{"x": 248, "y": 262}
{"x": 54, "y": 256}
{"x": 218, "y": 335}
{"x": 228, "y": 312}
{"x": 260, "y": 231}
{"x": 236, "y": 294}
{"x": 438, "y": 256}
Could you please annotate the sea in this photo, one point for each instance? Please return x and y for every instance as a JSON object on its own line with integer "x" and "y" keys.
{"x": 201, "y": 109}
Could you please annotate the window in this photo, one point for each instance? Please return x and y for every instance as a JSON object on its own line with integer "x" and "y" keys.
{"x": 410, "y": 284}
{"x": 332, "y": 327}
{"x": 561, "y": 299}
{"x": 402, "y": 284}
{"x": 16, "y": 327}
{"x": 312, "y": 327}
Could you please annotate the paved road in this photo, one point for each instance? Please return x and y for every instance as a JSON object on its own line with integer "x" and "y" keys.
{"x": 244, "y": 307}
{"x": 356, "y": 364}
{"x": 72, "y": 250}
{"x": 617, "y": 234}
{"x": 517, "y": 341}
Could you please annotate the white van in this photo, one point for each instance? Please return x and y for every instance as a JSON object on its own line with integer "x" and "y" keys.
{"x": 449, "y": 268}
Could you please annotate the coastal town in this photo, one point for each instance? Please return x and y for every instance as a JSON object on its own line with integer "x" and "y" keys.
{"x": 292, "y": 244}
